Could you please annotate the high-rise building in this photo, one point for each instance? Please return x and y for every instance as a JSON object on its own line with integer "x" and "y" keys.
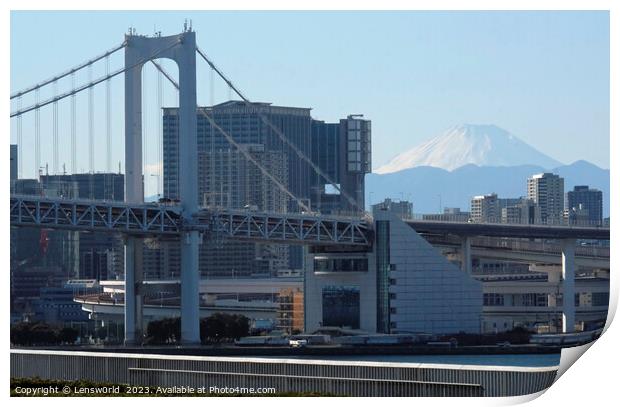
{"x": 101, "y": 255}
{"x": 245, "y": 125}
{"x": 587, "y": 202}
{"x": 491, "y": 209}
{"x": 227, "y": 179}
{"x": 485, "y": 208}
{"x": 343, "y": 152}
{"x": 102, "y": 186}
{"x": 39, "y": 257}
{"x": 547, "y": 191}
{"x": 524, "y": 211}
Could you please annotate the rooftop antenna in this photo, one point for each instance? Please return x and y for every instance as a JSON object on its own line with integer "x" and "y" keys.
{"x": 185, "y": 25}
{"x": 190, "y": 24}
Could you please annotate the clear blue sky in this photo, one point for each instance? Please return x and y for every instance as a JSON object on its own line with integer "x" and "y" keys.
{"x": 544, "y": 76}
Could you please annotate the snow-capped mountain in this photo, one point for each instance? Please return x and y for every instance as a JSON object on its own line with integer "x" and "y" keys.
{"x": 482, "y": 145}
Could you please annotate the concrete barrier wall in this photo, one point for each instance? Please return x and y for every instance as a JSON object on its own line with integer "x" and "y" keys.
{"x": 285, "y": 375}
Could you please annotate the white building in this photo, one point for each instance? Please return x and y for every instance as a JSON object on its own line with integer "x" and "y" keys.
{"x": 547, "y": 191}
{"x": 403, "y": 285}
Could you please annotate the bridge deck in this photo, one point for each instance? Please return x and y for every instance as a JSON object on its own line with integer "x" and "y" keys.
{"x": 509, "y": 230}
{"x": 154, "y": 219}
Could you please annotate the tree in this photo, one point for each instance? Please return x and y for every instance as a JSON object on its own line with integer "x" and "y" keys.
{"x": 164, "y": 331}
{"x": 220, "y": 326}
{"x": 68, "y": 335}
{"x": 34, "y": 333}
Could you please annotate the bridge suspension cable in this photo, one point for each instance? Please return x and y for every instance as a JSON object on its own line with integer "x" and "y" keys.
{"x": 91, "y": 135}
{"x": 160, "y": 141}
{"x": 278, "y": 132}
{"x": 108, "y": 119}
{"x": 37, "y": 135}
{"x": 68, "y": 72}
{"x": 239, "y": 148}
{"x": 91, "y": 84}
{"x": 20, "y": 145}
{"x": 55, "y": 133}
{"x": 73, "y": 133}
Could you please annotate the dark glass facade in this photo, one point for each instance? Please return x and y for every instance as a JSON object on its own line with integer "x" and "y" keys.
{"x": 340, "y": 265}
{"x": 342, "y": 151}
{"x": 341, "y": 306}
{"x": 584, "y": 198}
{"x": 383, "y": 275}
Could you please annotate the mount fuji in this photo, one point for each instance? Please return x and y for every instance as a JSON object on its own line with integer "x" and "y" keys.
{"x": 481, "y": 145}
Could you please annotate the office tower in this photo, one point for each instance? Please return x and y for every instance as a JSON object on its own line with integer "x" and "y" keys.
{"x": 245, "y": 126}
{"x": 586, "y": 202}
{"x": 343, "y": 152}
{"x": 227, "y": 179}
{"x": 39, "y": 257}
{"x": 485, "y": 208}
{"x": 547, "y": 191}
{"x": 101, "y": 186}
{"x": 524, "y": 211}
{"x": 491, "y": 209}
{"x": 100, "y": 254}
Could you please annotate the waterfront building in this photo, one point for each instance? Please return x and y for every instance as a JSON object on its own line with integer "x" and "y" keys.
{"x": 401, "y": 285}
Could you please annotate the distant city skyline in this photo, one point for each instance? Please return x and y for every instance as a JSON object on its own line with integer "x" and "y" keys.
{"x": 543, "y": 76}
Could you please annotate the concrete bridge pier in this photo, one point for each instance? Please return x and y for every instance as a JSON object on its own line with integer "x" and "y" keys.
{"x": 133, "y": 296}
{"x": 568, "y": 285}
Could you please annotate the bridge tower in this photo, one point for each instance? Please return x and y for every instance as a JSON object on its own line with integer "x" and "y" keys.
{"x": 139, "y": 50}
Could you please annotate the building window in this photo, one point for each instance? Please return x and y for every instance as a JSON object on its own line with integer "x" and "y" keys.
{"x": 600, "y": 299}
{"x": 341, "y": 306}
{"x": 493, "y": 299}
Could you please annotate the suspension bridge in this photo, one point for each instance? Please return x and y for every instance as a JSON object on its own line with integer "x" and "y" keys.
{"x": 183, "y": 219}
